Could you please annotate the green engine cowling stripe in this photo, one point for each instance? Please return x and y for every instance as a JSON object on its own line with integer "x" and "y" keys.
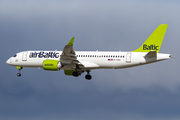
{"x": 50, "y": 65}
{"x": 68, "y": 72}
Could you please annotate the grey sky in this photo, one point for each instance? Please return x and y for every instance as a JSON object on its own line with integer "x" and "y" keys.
{"x": 149, "y": 92}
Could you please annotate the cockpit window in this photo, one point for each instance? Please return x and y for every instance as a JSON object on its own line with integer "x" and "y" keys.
{"x": 14, "y": 55}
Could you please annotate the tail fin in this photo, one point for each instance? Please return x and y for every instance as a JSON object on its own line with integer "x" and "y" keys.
{"x": 153, "y": 43}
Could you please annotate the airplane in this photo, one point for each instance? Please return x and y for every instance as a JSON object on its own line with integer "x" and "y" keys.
{"x": 74, "y": 63}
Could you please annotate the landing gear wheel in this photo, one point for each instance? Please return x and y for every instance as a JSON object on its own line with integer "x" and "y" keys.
{"x": 75, "y": 74}
{"x": 88, "y": 77}
{"x": 18, "y": 74}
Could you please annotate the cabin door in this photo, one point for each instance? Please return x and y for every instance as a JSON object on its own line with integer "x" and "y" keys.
{"x": 24, "y": 57}
{"x": 128, "y": 57}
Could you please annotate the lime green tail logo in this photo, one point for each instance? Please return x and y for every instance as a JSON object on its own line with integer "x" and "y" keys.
{"x": 150, "y": 47}
{"x": 153, "y": 43}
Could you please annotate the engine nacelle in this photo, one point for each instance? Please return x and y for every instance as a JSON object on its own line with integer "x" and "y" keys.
{"x": 70, "y": 72}
{"x": 52, "y": 65}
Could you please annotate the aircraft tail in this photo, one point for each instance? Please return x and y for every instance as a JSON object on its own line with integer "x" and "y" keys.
{"x": 153, "y": 43}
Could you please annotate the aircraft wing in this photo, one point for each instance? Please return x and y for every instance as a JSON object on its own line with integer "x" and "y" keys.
{"x": 68, "y": 57}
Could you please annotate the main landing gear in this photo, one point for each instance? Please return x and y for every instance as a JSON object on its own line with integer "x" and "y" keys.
{"x": 76, "y": 74}
{"x": 19, "y": 68}
{"x": 88, "y": 76}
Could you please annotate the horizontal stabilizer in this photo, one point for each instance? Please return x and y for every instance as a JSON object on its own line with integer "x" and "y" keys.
{"x": 151, "y": 54}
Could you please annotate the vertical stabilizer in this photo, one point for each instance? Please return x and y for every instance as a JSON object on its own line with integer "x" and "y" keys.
{"x": 153, "y": 43}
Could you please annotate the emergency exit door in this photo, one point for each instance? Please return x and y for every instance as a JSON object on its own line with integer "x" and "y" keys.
{"x": 128, "y": 57}
{"x": 24, "y": 57}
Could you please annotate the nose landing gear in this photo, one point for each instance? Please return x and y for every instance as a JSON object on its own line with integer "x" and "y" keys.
{"x": 19, "y": 68}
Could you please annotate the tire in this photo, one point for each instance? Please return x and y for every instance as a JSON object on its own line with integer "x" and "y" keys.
{"x": 75, "y": 74}
{"x": 88, "y": 77}
{"x": 18, "y": 74}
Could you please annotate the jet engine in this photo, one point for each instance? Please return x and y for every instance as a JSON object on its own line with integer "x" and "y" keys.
{"x": 52, "y": 65}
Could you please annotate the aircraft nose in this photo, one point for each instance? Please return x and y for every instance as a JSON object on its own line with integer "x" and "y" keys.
{"x": 8, "y": 61}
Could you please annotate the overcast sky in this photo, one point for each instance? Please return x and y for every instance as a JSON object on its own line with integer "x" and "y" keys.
{"x": 150, "y": 92}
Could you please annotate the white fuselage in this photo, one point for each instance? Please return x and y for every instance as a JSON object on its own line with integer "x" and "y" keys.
{"x": 90, "y": 59}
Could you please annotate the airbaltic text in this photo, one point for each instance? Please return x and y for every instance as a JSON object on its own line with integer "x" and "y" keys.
{"x": 44, "y": 55}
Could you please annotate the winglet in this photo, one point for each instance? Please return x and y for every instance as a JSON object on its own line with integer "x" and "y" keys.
{"x": 153, "y": 43}
{"x": 71, "y": 41}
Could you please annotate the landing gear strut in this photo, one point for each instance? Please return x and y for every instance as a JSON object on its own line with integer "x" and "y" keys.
{"x": 19, "y": 68}
{"x": 88, "y": 76}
